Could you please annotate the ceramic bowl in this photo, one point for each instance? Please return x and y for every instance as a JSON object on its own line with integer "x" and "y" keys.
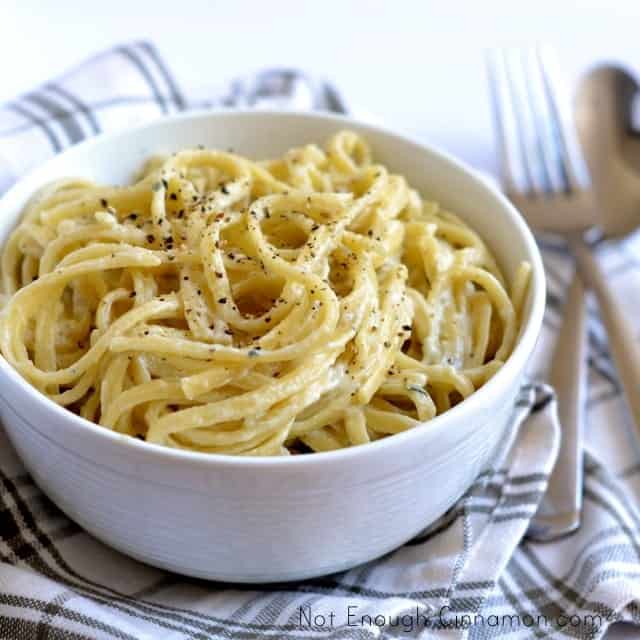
{"x": 245, "y": 519}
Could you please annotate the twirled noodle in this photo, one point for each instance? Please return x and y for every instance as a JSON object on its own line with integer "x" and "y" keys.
{"x": 311, "y": 302}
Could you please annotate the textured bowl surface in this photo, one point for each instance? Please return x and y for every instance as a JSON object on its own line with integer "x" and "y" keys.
{"x": 272, "y": 519}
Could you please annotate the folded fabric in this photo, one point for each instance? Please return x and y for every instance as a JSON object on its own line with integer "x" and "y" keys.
{"x": 468, "y": 575}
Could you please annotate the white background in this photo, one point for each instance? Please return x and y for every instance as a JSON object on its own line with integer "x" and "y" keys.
{"x": 417, "y": 65}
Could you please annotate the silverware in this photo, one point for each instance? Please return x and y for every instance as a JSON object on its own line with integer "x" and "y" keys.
{"x": 556, "y": 196}
{"x": 542, "y": 178}
{"x": 284, "y": 89}
{"x": 610, "y": 144}
{"x": 277, "y": 88}
{"x": 560, "y": 510}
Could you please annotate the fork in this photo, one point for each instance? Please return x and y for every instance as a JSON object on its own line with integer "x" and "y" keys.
{"x": 542, "y": 175}
{"x": 545, "y": 177}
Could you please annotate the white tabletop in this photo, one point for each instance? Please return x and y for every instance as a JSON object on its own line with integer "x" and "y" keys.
{"x": 417, "y": 65}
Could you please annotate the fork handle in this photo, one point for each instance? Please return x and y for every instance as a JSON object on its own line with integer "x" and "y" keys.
{"x": 560, "y": 511}
{"x": 623, "y": 341}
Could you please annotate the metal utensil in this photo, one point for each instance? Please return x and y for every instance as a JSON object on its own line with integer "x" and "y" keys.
{"x": 276, "y": 88}
{"x": 554, "y": 195}
{"x": 284, "y": 89}
{"x": 560, "y": 510}
{"x": 539, "y": 176}
{"x": 611, "y": 146}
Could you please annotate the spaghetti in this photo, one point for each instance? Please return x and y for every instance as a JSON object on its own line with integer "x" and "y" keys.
{"x": 310, "y": 302}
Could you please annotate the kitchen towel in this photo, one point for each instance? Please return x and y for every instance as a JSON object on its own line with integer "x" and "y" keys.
{"x": 468, "y": 575}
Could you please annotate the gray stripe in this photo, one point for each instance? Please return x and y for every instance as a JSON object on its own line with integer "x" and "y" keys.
{"x": 527, "y": 498}
{"x": 166, "y": 581}
{"x": 59, "y": 114}
{"x": 597, "y": 473}
{"x": 120, "y": 604}
{"x": 302, "y": 604}
{"x": 325, "y": 584}
{"x": 19, "y": 548}
{"x": 614, "y": 574}
{"x": 21, "y": 602}
{"x": 515, "y": 515}
{"x": 46, "y": 129}
{"x": 24, "y": 520}
{"x": 629, "y": 471}
{"x": 13, "y": 628}
{"x": 553, "y": 246}
{"x": 534, "y": 600}
{"x": 273, "y": 608}
{"x": 588, "y": 576}
{"x": 328, "y": 584}
{"x": 592, "y": 495}
{"x": 246, "y": 606}
{"x": 94, "y": 106}
{"x": 606, "y": 396}
{"x": 514, "y": 601}
{"x": 461, "y": 559}
{"x": 467, "y": 605}
{"x": 135, "y": 59}
{"x": 454, "y": 514}
{"x": 568, "y": 591}
{"x": 335, "y": 102}
{"x": 605, "y": 370}
{"x": 585, "y": 553}
{"x": 77, "y": 103}
{"x": 176, "y": 94}
{"x": 51, "y": 611}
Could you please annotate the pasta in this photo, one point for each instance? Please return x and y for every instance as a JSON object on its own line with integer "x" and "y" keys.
{"x": 306, "y": 303}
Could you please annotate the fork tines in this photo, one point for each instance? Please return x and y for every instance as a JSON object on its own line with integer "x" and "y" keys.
{"x": 538, "y": 148}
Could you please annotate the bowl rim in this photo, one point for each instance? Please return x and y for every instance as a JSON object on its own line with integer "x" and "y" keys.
{"x": 526, "y": 340}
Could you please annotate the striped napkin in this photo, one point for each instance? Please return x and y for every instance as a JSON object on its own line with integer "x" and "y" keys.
{"x": 468, "y": 575}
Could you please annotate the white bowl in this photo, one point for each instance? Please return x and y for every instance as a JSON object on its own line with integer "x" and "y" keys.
{"x": 270, "y": 519}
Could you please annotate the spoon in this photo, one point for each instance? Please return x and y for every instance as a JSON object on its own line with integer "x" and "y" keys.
{"x": 611, "y": 148}
{"x": 603, "y": 109}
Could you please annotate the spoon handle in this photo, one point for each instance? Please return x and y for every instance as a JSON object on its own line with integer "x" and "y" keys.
{"x": 623, "y": 336}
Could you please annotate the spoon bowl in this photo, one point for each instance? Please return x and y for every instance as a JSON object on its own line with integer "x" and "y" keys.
{"x": 611, "y": 146}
